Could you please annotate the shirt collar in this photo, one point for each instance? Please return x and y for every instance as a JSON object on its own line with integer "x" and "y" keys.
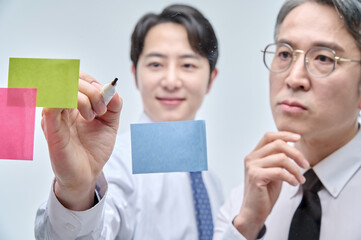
{"x": 339, "y": 167}
{"x": 144, "y": 118}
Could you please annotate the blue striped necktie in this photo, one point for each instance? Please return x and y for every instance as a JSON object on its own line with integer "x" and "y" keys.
{"x": 202, "y": 207}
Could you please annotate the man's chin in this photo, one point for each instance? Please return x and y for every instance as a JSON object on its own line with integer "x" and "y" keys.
{"x": 289, "y": 127}
{"x": 170, "y": 118}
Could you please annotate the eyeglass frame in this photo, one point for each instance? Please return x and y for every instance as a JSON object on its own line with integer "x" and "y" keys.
{"x": 305, "y": 61}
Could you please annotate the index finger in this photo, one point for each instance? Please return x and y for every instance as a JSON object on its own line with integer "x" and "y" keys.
{"x": 282, "y": 135}
{"x": 86, "y": 77}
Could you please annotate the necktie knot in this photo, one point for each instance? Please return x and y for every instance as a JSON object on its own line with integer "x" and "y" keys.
{"x": 312, "y": 184}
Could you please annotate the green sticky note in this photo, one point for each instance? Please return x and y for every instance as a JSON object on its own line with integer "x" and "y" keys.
{"x": 56, "y": 80}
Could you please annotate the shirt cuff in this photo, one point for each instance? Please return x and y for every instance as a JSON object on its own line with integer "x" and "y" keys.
{"x": 71, "y": 224}
{"x": 232, "y": 233}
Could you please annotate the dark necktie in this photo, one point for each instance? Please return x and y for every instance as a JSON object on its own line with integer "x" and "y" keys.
{"x": 306, "y": 221}
{"x": 202, "y": 207}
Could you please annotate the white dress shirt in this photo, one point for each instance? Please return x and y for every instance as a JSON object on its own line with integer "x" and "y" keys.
{"x": 340, "y": 198}
{"x": 141, "y": 206}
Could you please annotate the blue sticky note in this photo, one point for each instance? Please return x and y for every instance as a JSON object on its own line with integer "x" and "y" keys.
{"x": 169, "y": 147}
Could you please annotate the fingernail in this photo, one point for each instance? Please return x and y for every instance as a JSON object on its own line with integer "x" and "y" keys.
{"x": 306, "y": 164}
{"x": 296, "y": 136}
{"x": 303, "y": 179}
{"x": 101, "y": 107}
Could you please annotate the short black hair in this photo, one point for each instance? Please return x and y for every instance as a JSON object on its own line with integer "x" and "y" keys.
{"x": 349, "y": 11}
{"x": 200, "y": 32}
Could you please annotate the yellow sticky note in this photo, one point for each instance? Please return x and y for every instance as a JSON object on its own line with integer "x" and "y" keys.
{"x": 56, "y": 80}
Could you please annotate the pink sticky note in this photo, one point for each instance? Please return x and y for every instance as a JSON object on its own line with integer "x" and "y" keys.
{"x": 17, "y": 122}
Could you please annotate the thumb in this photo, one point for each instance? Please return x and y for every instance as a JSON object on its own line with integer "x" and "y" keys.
{"x": 111, "y": 117}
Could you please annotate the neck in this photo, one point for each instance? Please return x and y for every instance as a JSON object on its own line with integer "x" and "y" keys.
{"x": 315, "y": 149}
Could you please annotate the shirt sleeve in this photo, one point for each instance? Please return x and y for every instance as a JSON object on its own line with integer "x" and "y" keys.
{"x": 54, "y": 221}
{"x": 230, "y": 233}
{"x": 113, "y": 217}
{"x": 224, "y": 228}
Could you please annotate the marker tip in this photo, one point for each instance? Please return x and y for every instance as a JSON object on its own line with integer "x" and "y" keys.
{"x": 114, "y": 82}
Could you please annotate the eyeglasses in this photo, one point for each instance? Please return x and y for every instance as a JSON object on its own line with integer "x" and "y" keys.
{"x": 319, "y": 61}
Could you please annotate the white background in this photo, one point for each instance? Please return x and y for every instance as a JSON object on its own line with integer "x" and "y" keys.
{"x": 98, "y": 33}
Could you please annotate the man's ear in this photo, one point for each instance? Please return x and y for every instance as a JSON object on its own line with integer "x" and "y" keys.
{"x": 212, "y": 77}
{"x": 134, "y": 72}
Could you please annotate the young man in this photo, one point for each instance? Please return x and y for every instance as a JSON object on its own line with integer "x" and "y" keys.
{"x": 174, "y": 56}
{"x": 315, "y": 96}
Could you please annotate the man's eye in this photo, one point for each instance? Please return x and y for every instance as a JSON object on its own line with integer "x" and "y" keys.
{"x": 154, "y": 64}
{"x": 324, "y": 59}
{"x": 189, "y": 66}
{"x": 284, "y": 55}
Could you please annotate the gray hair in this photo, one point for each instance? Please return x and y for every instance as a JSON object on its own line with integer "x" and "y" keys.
{"x": 349, "y": 11}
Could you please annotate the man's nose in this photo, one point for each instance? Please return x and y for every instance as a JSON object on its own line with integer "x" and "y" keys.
{"x": 171, "y": 80}
{"x": 298, "y": 77}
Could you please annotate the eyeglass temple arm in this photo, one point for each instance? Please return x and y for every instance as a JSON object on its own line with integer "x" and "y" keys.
{"x": 266, "y": 51}
{"x": 346, "y": 60}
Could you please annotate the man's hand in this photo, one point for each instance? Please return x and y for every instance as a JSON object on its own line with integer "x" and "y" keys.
{"x": 80, "y": 142}
{"x": 265, "y": 169}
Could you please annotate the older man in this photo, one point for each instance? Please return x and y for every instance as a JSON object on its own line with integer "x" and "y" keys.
{"x": 315, "y": 96}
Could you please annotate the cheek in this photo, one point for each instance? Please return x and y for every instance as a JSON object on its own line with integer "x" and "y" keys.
{"x": 146, "y": 84}
{"x": 275, "y": 85}
{"x": 197, "y": 90}
{"x": 326, "y": 95}
{"x": 338, "y": 99}
{"x": 198, "y": 83}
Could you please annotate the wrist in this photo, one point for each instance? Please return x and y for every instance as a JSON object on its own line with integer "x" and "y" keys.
{"x": 248, "y": 228}
{"x": 76, "y": 199}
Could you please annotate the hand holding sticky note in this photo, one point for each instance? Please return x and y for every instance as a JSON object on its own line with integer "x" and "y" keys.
{"x": 169, "y": 147}
{"x": 33, "y": 82}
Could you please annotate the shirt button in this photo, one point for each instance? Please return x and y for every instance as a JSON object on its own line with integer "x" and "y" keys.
{"x": 70, "y": 227}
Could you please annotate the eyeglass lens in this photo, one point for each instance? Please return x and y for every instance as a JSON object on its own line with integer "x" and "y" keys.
{"x": 319, "y": 61}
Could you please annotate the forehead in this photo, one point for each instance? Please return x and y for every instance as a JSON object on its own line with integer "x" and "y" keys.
{"x": 312, "y": 23}
{"x": 167, "y": 37}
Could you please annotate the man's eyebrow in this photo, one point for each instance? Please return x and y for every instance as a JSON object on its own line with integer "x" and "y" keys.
{"x": 195, "y": 56}
{"x": 331, "y": 45}
{"x": 284, "y": 41}
{"x": 334, "y": 46}
{"x": 149, "y": 55}
{"x": 183, "y": 56}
